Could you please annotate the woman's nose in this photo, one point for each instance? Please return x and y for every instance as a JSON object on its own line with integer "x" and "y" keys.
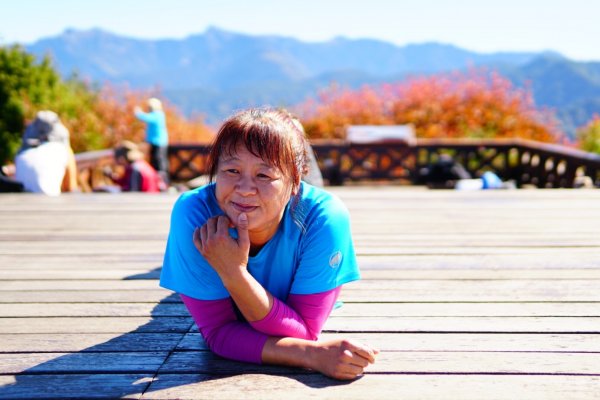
{"x": 246, "y": 186}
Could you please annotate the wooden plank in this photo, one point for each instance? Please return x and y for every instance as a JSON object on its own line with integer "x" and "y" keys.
{"x": 458, "y": 342}
{"x": 403, "y": 292}
{"x": 98, "y": 342}
{"x": 95, "y": 325}
{"x": 93, "y": 272}
{"x": 373, "y": 386}
{"x": 60, "y": 285}
{"x": 451, "y": 239}
{"x": 451, "y": 290}
{"x": 391, "y": 295}
{"x": 508, "y": 262}
{"x": 518, "y": 239}
{"x": 122, "y": 271}
{"x": 91, "y": 342}
{"x": 411, "y": 294}
{"x": 469, "y": 250}
{"x": 142, "y": 249}
{"x": 82, "y": 362}
{"x": 83, "y": 263}
{"x": 74, "y": 386}
{"x": 465, "y": 324}
{"x": 94, "y": 235}
{"x": 349, "y": 309}
{"x": 410, "y": 273}
{"x": 448, "y": 310}
{"x": 411, "y": 362}
{"x": 456, "y": 290}
{"x": 95, "y": 296}
{"x": 25, "y": 310}
{"x": 84, "y": 248}
{"x": 516, "y": 325}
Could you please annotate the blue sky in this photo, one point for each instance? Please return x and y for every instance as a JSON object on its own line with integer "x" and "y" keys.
{"x": 571, "y": 27}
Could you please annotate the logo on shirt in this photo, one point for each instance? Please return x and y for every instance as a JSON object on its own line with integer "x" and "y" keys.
{"x": 335, "y": 259}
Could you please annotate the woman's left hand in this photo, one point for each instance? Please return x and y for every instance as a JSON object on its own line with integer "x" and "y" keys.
{"x": 225, "y": 254}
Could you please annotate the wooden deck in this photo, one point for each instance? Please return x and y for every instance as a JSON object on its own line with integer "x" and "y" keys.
{"x": 469, "y": 295}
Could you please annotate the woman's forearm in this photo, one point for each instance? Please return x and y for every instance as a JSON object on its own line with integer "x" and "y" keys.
{"x": 339, "y": 358}
{"x": 288, "y": 351}
{"x": 253, "y": 300}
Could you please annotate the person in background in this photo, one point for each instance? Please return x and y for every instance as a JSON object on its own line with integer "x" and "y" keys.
{"x": 259, "y": 257}
{"x": 138, "y": 175}
{"x": 45, "y": 163}
{"x": 156, "y": 135}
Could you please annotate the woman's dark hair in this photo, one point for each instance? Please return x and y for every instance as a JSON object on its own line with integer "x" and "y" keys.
{"x": 274, "y": 135}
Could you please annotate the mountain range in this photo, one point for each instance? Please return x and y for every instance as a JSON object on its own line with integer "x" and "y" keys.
{"x": 218, "y": 71}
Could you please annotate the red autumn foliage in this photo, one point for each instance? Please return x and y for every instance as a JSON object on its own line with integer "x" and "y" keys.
{"x": 474, "y": 104}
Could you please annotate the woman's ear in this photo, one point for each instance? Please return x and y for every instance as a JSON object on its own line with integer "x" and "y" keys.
{"x": 296, "y": 187}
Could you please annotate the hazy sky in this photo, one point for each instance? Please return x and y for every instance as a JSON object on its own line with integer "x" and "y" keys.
{"x": 571, "y": 27}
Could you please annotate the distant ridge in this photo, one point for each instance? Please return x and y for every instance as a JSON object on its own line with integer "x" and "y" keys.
{"x": 217, "y": 71}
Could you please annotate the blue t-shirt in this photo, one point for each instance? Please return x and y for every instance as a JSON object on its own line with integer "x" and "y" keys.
{"x": 156, "y": 127}
{"x": 311, "y": 252}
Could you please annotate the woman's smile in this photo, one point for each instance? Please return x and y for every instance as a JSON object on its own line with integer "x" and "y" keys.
{"x": 243, "y": 208}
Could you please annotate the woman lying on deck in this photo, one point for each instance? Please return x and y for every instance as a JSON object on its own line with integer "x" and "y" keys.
{"x": 259, "y": 257}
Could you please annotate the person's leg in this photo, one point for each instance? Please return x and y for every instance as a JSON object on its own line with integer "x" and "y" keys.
{"x": 155, "y": 157}
{"x": 163, "y": 163}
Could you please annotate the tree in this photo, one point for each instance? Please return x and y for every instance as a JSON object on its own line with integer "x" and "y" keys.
{"x": 97, "y": 118}
{"x": 114, "y": 108}
{"x": 24, "y": 85}
{"x": 473, "y": 104}
{"x": 589, "y": 136}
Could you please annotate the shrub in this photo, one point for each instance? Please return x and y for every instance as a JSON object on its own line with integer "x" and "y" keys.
{"x": 473, "y": 104}
{"x": 589, "y": 136}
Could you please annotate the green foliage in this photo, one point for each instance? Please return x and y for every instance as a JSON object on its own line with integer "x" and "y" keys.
{"x": 24, "y": 85}
{"x": 96, "y": 118}
{"x": 589, "y": 136}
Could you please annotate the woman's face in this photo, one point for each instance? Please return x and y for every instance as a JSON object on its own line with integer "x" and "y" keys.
{"x": 247, "y": 184}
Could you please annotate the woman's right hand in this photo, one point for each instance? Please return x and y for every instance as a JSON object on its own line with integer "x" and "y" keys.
{"x": 341, "y": 358}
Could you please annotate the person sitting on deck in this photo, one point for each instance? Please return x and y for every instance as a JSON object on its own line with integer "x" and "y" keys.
{"x": 45, "y": 162}
{"x": 259, "y": 257}
{"x": 139, "y": 176}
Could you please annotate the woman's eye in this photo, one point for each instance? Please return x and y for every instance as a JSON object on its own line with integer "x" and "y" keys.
{"x": 232, "y": 171}
{"x": 264, "y": 177}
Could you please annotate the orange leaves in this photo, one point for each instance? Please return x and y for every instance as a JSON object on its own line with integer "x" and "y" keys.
{"x": 471, "y": 104}
{"x": 111, "y": 119}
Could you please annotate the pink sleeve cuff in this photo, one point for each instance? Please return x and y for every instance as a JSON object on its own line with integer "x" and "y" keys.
{"x": 302, "y": 317}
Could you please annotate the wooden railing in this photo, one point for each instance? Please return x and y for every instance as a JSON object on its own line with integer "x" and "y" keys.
{"x": 90, "y": 166}
{"x": 522, "y": 161}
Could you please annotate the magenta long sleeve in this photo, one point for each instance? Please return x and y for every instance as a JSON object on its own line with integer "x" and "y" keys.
{"x": 303, "y": 317}
{"x": 223, "y": 333}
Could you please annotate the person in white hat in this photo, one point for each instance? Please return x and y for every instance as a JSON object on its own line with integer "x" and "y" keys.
{"x": 45, "y": 162}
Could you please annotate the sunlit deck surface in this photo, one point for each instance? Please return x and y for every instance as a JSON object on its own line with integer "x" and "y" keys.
{"x": 469, "y": 295}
